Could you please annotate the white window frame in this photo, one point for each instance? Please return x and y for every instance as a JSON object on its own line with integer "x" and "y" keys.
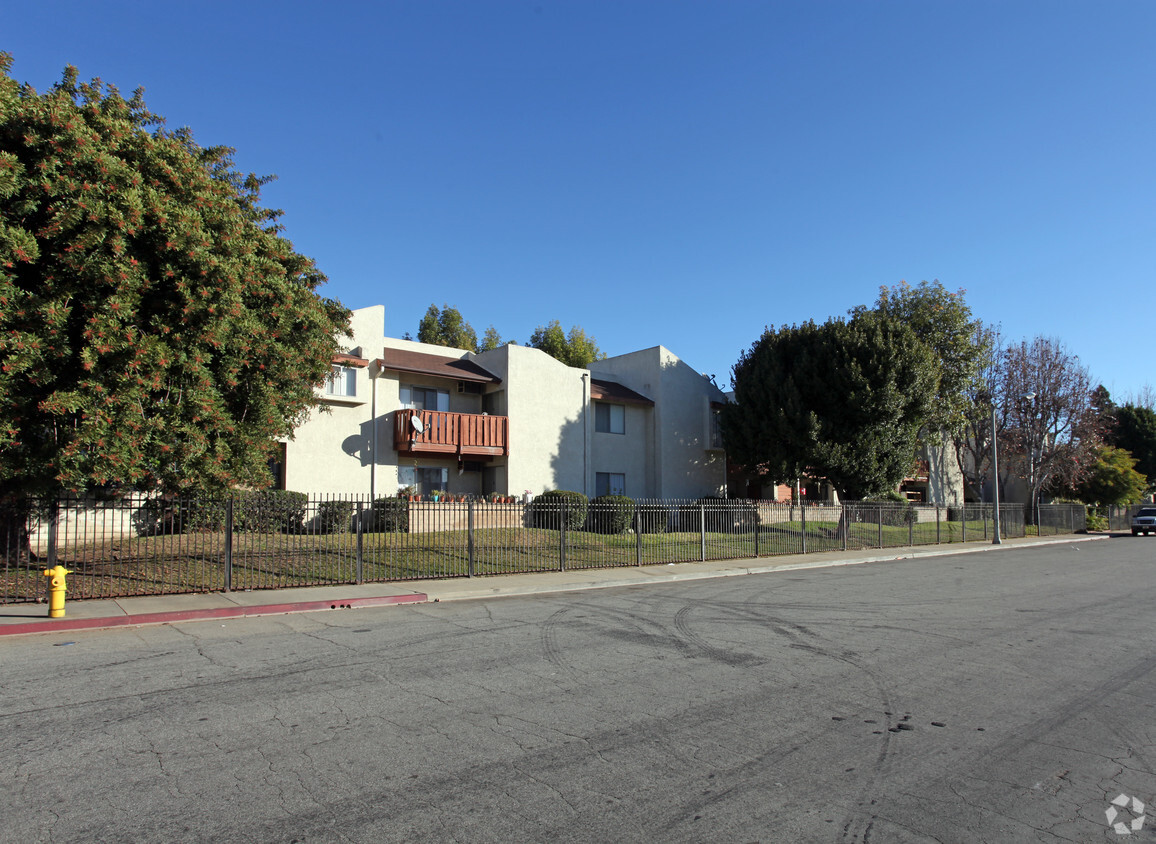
{"x": 442, "y": 400}
{"x": 609, "y": 483}
{"x": 609, "y": 418}
{"x": 342, "y": 381}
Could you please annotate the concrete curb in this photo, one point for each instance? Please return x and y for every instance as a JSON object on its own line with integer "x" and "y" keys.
{"x": 575, "y": 581}
{"x": 57, "y": 625}
{"x": 462, "y": 589}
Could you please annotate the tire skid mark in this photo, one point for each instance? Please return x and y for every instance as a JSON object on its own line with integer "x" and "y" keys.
{"x": 549, "y": 639}
{"x": 859, "y": 821}
{"x": 723, "y": 655}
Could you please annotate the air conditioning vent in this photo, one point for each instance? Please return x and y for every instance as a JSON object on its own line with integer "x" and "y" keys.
{"x": 471, "y": 387}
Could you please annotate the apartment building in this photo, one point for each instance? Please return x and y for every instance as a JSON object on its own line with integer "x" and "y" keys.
{"x": 397, "y": 414}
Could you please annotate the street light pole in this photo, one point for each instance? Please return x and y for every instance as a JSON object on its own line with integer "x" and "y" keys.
{"x": 995, "y": 480}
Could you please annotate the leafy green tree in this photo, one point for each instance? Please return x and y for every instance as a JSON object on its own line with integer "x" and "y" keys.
{"x": 1134, "y": 430}
{"x": 1112, "y": 479}
{"x": 447, "y": 327}
{"x": 943, "y": 321}
{"x": 574, "y": 349}
{"x": 490, "y": 340}
{"x": 844, "y": 401}
{"x": 156, "y": 331}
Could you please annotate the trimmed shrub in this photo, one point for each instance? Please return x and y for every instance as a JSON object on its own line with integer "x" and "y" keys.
{"x": 158, "y": 516}
{"x": 203, "y": 514}
{"x": 269, "y": 511}
{"x": 610, "y": 514}
{"x": 653, "y": 517}
{"x": 546, "y": 510}
{"x": 389, "y": 515}
{"x": 332, "y": 517}
{"x": 735, "y": 515}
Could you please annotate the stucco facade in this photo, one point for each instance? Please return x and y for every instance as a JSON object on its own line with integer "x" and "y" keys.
{"x": 639, "y": 424}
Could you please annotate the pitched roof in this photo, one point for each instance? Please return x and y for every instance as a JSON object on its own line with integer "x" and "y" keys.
{"x": 612, "y": 391}
{"x": 419, "y": 363}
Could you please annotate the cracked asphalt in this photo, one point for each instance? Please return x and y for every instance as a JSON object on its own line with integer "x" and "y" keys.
{"x": 1004, "y": 696}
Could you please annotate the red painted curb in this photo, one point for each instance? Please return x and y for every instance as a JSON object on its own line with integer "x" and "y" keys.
{"x": 65, "y": 624}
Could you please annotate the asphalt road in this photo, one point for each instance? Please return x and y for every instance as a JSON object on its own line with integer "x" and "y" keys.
{"x": 1003, "y": 696}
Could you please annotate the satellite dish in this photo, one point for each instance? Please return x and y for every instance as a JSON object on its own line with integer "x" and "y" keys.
{"x": 416, "y": 423}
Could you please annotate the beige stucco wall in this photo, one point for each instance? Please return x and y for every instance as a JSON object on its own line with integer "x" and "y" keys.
{"x": 680, "y": 464}
{"x": 553, "y": 445}
{"x": 545, "y": 401}
{"x": 944, "y": 479}
{"x": 628, "y": 453}
{"x": 331, "y": 452}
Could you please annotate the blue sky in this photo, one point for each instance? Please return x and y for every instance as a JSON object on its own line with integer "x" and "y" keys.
{"x": 682, "y": 173}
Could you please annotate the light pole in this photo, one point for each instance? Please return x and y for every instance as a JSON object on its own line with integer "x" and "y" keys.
{"x": 994, "y": 480}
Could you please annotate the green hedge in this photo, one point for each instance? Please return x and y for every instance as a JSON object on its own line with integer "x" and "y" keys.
{"x": 333, "y": 516}
{"x": 270, "y": 511}
{"x": 257, "y": 511}
{"x": 652, "y": 517}
{"x": 389, "y": 515}
{"x": 545, "y": 511}
{"x": 610, "y": 514}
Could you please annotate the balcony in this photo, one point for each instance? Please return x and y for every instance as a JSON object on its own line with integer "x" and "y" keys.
{"x": 473, "y": 435}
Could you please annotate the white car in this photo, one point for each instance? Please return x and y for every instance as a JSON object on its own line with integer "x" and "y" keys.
{"x": 1144, "y": 521}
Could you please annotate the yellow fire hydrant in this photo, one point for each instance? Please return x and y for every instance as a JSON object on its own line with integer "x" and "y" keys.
{"x": 56, "y": 589}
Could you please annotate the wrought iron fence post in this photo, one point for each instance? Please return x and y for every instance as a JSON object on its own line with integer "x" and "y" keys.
{"x": 470, "y": 538}
{"x": 702, "y": 532}
{"x": 937, "y": 538}
{"x": 360, "y": 547}
{"x": 758, "y": 527}
{"x": 229, "y": 543}
{"x": 53, "y": 531}
{"x": 911, "y": 517}
{"x": 879, "y": 519}
{"x": 963, "y": 523}
{"x": 562, "y": 537}
{"x": 984, "y": 511}
{"x": 803, "y": 526}
{"x": 637, "y": 537}
{"x": 845, "y": 520}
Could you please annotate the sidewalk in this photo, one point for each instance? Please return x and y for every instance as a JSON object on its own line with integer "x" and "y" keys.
{"x": 16, "y": 619}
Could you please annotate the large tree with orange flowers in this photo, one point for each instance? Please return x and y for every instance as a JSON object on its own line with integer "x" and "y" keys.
{"x": 157, "y": 331}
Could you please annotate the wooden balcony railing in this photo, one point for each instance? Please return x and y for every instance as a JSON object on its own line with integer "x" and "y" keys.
{"x": 439, "y": 432}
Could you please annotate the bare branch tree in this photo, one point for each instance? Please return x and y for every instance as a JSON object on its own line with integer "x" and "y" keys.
{"x": 1051, "y": 426}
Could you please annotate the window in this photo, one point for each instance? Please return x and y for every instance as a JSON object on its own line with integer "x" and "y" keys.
{"x": 277, "y": 466}
{"x": 424, "y": 398}
{"x": 609, "y": 483}
{"x": 609, "y": 418}
{"x": 716, "y": 440}
{"x": 342, "y": 381}
{"x": 424, "y": 480}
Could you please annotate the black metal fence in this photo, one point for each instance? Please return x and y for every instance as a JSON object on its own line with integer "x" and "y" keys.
{"x": 150, "y": 546}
